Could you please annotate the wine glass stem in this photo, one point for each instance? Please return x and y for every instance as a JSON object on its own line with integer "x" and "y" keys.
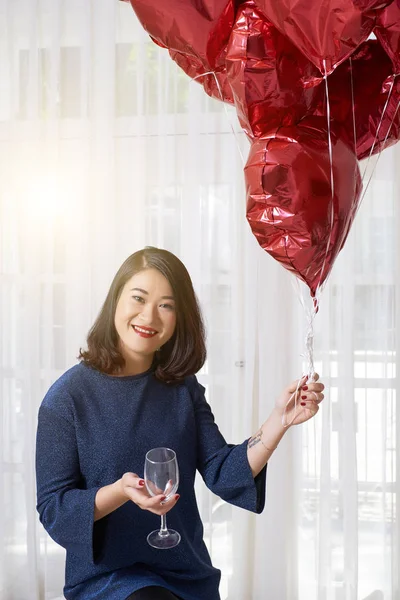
{"x": 163, "y": 530}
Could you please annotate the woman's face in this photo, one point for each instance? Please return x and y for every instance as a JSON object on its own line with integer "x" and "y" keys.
{"x": 145, "y": 316}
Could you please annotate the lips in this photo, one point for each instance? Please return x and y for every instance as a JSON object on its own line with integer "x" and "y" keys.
{"x": 146, "y": 332}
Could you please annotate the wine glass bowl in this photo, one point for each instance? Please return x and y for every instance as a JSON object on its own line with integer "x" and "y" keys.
{"x": 161, "y": 476}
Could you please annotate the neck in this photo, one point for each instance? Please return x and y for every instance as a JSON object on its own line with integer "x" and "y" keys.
{"x": 134, "y": 364}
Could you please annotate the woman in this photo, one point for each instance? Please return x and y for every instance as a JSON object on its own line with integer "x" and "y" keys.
{"x": 135, "y": 389}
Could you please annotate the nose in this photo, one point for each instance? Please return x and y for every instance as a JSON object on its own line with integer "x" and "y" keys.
{"x": 148, "y": 313}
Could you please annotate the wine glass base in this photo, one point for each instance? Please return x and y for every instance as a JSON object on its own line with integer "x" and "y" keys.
{"x": 164, "y": 542}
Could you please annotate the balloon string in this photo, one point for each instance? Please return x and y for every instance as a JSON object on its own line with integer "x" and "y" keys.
{"x": 310, "y": 314}
{"x": 225, "y": 109}
{"x": 352, "y": 106}
{"x": 320, "y": 285}
{"x": 377, "y": 133}
{"x": 308, "y": 354}
{"x": 380, "y": 152}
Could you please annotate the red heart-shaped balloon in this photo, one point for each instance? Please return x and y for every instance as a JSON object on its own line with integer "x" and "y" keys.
{"x": 387, "y": 31}
{"x": 196, "y": 33}
{"x": 326, "y": 32}
{"x": 373, "y": 123}
{"x": 290, "y": 205}
{"x": 273, "y": 83}
{"x": 200, "y": 28}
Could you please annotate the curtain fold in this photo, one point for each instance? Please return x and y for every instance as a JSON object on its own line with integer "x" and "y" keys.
{"x": 106, "y": 146}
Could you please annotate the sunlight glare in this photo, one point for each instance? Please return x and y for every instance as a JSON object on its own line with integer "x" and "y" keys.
{"x": 47, "y": 198}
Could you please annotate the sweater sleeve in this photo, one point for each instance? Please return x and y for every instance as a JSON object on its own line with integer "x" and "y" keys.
{"x": 66, "y": 508}
{"x": 225, "y": 467}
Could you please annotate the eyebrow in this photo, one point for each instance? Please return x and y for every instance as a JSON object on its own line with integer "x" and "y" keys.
{"x": 147, "y": 293}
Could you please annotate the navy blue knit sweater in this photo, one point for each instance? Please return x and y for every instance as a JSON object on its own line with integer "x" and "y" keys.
{"x": 95, "y": 427}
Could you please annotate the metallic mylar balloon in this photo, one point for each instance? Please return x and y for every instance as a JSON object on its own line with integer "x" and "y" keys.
{"x": 199, "y": 28}
{"x": 387, "y": 31}
{"x": 373, "y": 123}
{"x": 196, "y": 33}
{"x": 291, "y": 207}
{"x": 273, "y": 83}
{"x": 268, "y": 56}
{"x": 328, "y": 30}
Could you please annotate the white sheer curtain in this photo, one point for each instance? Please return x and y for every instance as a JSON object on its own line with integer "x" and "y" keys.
{"x": 105, "y": 146}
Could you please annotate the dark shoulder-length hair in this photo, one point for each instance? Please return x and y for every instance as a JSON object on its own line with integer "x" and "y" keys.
{"x": 184, "y": 354}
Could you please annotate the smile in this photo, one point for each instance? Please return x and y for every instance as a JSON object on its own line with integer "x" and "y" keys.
{"x": 144, "y": 331}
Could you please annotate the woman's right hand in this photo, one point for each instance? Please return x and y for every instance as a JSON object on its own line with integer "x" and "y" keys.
{"x": 133, "y": 488}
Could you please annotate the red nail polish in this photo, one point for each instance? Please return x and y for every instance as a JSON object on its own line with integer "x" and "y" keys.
{"x": 141, "y": 482}
{"x": 305, "y": 387}
{"x": 303, "y": 403}
{"x": 177, "y": 497}
{"x": 304, "y": 397}
{"x": 163, "y": 498}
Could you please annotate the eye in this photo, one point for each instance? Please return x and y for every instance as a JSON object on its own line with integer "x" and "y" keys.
{"x": 138, "y": 298}
{"x": 168, "y": 306}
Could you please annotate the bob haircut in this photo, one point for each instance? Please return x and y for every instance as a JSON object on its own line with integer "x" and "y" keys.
{"x": 184, "y": 354}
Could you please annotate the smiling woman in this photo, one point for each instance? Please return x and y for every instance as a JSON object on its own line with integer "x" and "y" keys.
{"x": 136, "y": 390}
{"x": 150, "y": 317}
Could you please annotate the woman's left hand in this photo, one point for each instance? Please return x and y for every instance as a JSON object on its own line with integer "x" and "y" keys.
{"x": 299, "y": 408}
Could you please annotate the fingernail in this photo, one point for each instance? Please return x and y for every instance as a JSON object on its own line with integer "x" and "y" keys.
{"x": 305, "y": 387}
{"x": 163, "y": 498}
{"x": 304, "y": 397}
{"x": 177, "y": 496}
{"x": 303, "y": 403}
{"x": 141, "y": 482}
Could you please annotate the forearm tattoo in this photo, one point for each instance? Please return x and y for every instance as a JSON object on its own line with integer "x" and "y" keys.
{"x": 255, "y": 439}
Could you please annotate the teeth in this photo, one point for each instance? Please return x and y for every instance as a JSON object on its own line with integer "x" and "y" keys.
{"x": 145, "y": 330}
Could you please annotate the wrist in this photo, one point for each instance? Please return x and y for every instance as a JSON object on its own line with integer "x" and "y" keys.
{"x": 272, "y": 431}
{"x": 270, "y": 447}
{"x": 277, "y": 418}
{"x": 118, "y": 489}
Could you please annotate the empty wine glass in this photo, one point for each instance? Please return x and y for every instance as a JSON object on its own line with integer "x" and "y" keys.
{"x": 161, "y": 475}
